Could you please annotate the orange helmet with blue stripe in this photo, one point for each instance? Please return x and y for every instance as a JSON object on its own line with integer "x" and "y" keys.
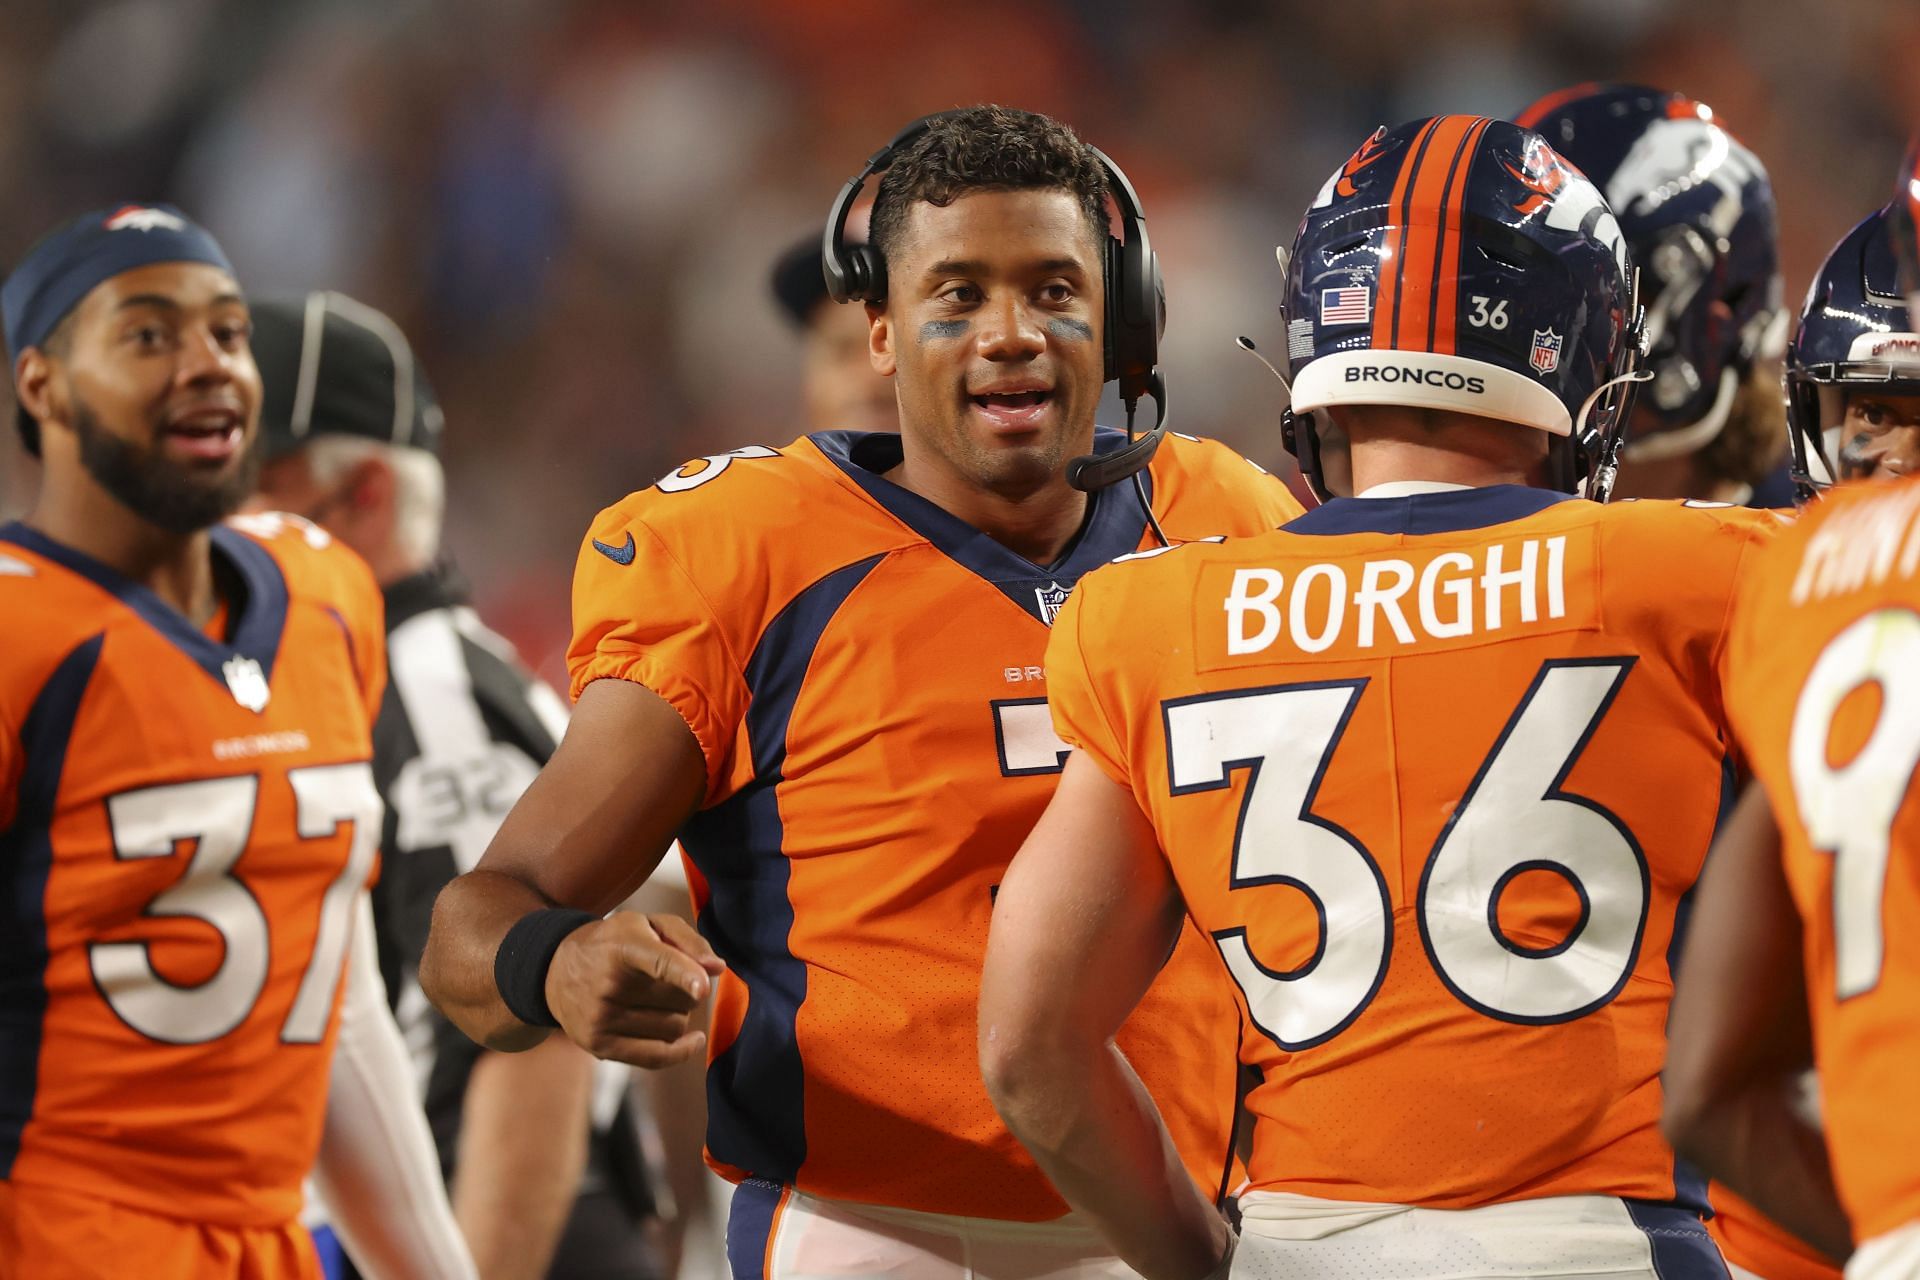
{"x": 1459, "y": 263}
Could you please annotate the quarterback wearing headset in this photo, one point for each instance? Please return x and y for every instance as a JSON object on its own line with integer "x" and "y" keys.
{"x": 821, "y": 666}
{"x": 1432, "y": 765}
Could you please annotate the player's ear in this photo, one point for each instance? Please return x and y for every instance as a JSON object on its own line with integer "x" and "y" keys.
{"x": 880, "y": 340}
{"x": 33, "y": 384}
{"x": 370, "y": 485}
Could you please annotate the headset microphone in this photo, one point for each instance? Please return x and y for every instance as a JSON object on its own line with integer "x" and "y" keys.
{"x": 1098, "y": 470}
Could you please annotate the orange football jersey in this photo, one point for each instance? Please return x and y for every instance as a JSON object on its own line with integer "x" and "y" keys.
{"x": 863, "y": 671}
{"x": 1825, "y": 696}
{"x": 1435, "y": 773}
{"x": 184, "y": 825}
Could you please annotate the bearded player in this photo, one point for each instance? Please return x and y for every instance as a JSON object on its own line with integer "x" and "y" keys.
{"x": 187, "y": 974}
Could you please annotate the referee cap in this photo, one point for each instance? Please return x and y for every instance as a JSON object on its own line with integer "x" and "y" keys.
{"x": 330, "y": 365}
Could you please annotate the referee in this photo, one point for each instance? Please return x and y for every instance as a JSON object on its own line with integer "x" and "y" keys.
{"x": 351, "y": 436}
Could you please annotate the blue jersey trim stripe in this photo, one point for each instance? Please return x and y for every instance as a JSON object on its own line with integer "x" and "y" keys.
{"x": 756, "y": 1202}
{"x": 1452, "y": 511}
{"x": 1115, "y": 523}
{"x": 1682, "y": 1249}
{"x": 260, "y": 623}
{"x": 26, "y": 860}
{"x": 755, "y": 1088}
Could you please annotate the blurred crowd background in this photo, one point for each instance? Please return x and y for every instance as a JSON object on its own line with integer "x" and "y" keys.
{"x": 572, "y": 206}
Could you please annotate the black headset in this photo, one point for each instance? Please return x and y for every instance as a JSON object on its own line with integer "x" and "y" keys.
{"x": 1135, "y": 310}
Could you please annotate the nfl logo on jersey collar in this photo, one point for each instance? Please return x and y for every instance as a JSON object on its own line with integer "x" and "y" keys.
{"x": 1052, "y": 598}
{"x": 246, "y": 681}
{"x": 1546, "y": 351}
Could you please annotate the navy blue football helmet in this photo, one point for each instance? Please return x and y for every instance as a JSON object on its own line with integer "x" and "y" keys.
{"x": 1855, "y": 333}
{"x": 1698, "y": 212}
{"x": 1906, "y": 227}
{"x": 1458, "y": 263}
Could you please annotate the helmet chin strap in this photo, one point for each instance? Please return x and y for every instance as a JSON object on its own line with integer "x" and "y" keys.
{"x": 1599, "y": 484}
{"x": 1681, "y": 441}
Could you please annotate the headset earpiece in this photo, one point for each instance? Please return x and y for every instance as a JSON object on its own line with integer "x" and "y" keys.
{"x": 1136, "y": 298}
{"x": 858, "y": 272}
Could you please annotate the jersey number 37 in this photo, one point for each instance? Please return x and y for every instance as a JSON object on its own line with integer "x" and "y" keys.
{"x": 217, "y": 815}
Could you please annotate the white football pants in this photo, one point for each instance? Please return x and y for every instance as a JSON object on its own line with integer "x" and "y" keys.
{"x": 1289, "y": 1237}
{"x": 777, "y": 1233}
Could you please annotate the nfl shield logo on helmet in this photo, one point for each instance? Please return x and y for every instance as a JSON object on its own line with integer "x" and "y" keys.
{"x": 1051, "y": 597}
{"x": 1546, "y": 351}
{"x": 246, "y": 682}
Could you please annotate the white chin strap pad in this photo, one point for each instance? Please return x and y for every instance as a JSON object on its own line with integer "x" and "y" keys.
{"x": 1426, "y": 380}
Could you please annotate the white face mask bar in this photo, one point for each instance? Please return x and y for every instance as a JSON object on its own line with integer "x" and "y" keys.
{"x": 1599, "y": 485}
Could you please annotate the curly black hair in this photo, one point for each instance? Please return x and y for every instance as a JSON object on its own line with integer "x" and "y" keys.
{"x": 988, "y": 148}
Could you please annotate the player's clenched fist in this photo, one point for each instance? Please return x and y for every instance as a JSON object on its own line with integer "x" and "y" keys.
{"x": 623, "y": 987}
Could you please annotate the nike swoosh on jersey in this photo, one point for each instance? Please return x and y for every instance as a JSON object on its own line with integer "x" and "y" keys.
{"x": 619, "y": 555}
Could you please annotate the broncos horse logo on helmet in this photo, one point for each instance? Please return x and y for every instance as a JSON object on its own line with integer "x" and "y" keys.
{"x": 1459, "y": 263}
{"x": 1856, "y": 335}
{"x": 1697, "y": 209}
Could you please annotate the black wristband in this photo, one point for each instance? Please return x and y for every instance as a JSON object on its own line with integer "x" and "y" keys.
{"x": 520, "y": 965}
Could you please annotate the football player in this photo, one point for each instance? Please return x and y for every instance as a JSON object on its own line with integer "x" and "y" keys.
{"x": 1698, "y": 212}
{"x": 821, "y": 665}
{"x": 1853, "y": 371}
{"x": 190, "y": 1009}
{"x": 1906, "y": 228}
{"x": 1433, "y": 766}
{"x": 1805, "y": 949}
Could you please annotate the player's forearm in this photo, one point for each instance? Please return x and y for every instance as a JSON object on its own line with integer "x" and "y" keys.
{"x": 523, "y": 1148}
{"x": 470, "y": 917}
{"x": 1093, "y": 1129}
{"x": 1754, "y": 1138}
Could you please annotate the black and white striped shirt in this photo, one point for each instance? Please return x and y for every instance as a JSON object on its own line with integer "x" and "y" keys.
{"x": 463, "y": 729}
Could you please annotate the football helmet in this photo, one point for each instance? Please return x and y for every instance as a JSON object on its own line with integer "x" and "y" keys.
{"x": 1905, "y": 226}
{"x": 1698, "y": 212}
{"x": 1458, "y": 263}
{"x": 1855, "y": 332}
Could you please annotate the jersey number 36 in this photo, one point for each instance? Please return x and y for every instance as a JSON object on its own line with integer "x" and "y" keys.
{"x": 1515, "y": 817}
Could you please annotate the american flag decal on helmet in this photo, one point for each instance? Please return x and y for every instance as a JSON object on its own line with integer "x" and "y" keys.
{"x": 1345, "y": 306}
